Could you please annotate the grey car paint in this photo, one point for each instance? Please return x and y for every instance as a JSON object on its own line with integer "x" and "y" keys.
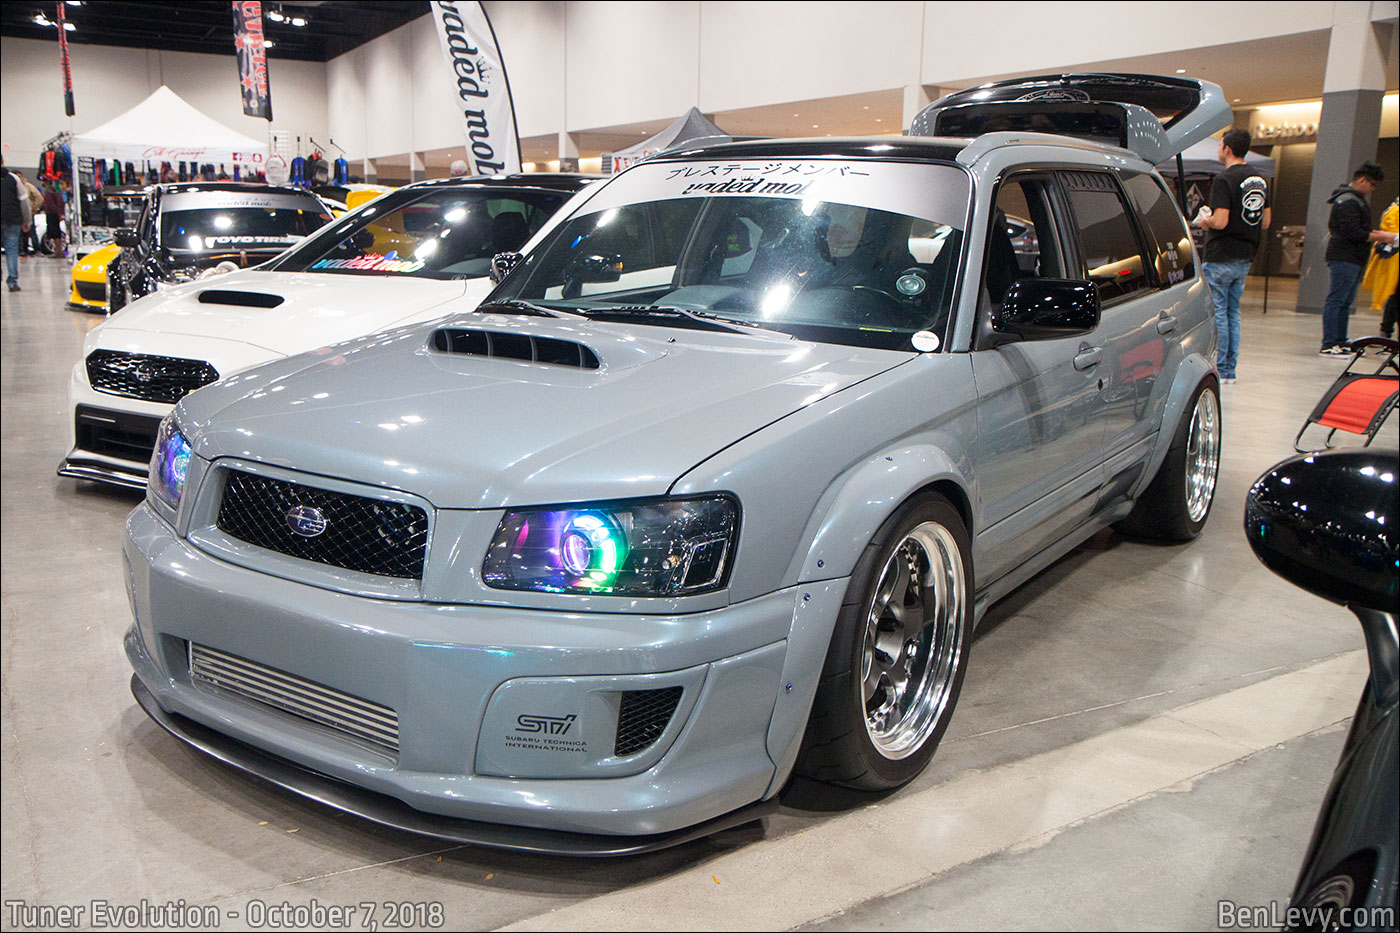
{"x": 819, "y": 443}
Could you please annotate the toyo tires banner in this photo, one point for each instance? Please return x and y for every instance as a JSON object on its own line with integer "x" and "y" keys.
{"x": 479, "y": 87}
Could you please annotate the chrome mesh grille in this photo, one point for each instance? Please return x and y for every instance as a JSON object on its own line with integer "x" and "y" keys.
{"x": 360, "y": 533}
{"x": 361, "y": 719}
{"x": 152, "y": 378}
{"x": 642, "y": 718}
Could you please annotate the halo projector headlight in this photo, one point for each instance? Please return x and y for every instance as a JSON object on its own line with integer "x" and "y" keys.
{"x": 169, "y": 463}
{"x": 655, "y": 547}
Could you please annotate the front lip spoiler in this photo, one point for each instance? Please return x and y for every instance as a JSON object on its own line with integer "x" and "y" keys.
{"x": 102, "y": 473}
{"x": 379, "y": 808}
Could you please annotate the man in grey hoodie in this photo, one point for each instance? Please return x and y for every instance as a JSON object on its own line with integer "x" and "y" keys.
{"x": 15, "y": 221}
{"x": 1348, "y": 248}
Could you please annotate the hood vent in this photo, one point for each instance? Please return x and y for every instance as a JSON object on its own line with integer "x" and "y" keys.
{"x": 523, "y": 347}
{"x": 224, "y": 296}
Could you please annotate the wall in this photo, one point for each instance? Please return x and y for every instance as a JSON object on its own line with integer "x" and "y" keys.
{"x": 108, "y": 80}
{"x": 588, "y": 65}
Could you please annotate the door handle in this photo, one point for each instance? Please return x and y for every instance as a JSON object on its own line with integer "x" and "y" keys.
{"x": 1166, "y": 324}
{"x": 1088, "y": 358}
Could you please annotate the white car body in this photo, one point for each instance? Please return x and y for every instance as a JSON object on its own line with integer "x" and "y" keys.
{"x": 110, "y": 434}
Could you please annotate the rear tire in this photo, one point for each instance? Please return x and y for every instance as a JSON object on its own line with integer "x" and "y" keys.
{"x": 1177, "y": 503}
{"x": 895, "y": 664}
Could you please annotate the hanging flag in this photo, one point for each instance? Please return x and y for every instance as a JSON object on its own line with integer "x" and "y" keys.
{"x": 63, "y": 57}
{"x": 480, "y": 87}
{"x": 252, "y": 58}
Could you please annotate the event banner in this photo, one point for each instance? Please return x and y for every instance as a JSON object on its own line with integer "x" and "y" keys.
{"x": 252, "y": 58}
{"x": 481, "y": 89}
{"x": 63, "y": 57}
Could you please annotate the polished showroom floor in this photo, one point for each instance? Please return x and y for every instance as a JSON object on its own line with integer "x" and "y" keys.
{"x": 1145, "y": 732}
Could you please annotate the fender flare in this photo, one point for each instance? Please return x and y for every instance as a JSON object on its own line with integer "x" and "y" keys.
{"x": 845, "y": 519}
{"x": 1193, "y": 370}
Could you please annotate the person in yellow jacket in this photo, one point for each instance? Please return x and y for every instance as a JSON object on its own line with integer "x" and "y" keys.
{"x": 1383, "y": 269}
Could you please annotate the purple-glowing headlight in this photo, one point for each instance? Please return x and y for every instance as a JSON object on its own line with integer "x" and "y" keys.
{"x": 653, "y": 547}
{"x": 169, "y": 463}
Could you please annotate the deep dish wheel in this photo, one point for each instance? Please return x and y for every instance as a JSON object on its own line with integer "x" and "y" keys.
{"x": 1177, "y": 503}
{"x": 895, "y": 664}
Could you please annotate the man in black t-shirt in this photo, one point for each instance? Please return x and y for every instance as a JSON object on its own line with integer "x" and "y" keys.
{"x": 1235, "y": 220}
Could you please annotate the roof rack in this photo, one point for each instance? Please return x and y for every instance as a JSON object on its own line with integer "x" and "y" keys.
{"x": 981, "y": 145}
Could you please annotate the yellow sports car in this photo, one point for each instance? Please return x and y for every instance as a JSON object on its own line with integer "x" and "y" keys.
{"x": 90, "y": 279}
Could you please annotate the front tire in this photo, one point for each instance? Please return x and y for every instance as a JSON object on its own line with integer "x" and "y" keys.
{"x": 1177, "y": 503}
{"x": 898, "y": 653}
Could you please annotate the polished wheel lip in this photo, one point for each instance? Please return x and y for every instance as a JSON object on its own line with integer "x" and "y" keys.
{"x": 912, "y": 641}
{"x": 1202, "y": 455}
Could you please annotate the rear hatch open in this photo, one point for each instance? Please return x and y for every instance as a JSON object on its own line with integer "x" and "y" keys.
{"x": 1154, "y": 116}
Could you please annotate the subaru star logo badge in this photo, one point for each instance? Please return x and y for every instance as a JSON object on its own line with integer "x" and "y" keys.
{"x": 306, "y": 520}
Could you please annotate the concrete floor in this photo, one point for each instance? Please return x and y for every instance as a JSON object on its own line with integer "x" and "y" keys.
{"x": 1144, "y": 732}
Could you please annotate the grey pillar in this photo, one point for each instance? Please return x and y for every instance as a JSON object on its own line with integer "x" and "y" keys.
{"x": 1348, "y": 132}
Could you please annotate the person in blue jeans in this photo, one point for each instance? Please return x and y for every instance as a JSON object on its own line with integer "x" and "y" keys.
{"x": 15, "y": 219}
{"x": 1348, "y": 247}
{"x": 1235, "y": 219}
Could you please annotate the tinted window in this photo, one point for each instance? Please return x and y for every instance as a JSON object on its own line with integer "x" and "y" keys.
{"x": 1171, "y": 240}
{"x": 441, "y": 233}
{"x": 1112, "y": 256}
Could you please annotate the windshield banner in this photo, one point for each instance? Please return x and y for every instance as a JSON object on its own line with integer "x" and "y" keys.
{"x": 479, "y": 87}
{"x": 252, "y": 58}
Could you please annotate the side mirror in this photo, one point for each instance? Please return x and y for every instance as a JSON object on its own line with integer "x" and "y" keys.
{"x": 126, "y": 238}
{"x": 502, "y": 264}
{"x": 1326, "y": 523}
{"x": 1043, "y": 309}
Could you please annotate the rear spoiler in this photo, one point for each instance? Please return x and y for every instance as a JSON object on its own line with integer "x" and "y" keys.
{"x": 1153, "y": 116}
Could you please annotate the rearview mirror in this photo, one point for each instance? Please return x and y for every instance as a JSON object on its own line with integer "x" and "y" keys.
{"x": 126, "y": 238}
{"x": 599, "y": 267}
{"x": 1042, "y": 309}
{"x": 1326, "y": 523}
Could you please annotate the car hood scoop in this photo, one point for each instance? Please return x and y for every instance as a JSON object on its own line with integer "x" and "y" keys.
{"x": 418, "y": 409}
{"x": 228, "y": 296}
{"x": 528, "y": 348}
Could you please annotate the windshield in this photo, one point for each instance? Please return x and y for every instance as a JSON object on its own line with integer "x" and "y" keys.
{"x": 437, "y": 233}
{"x": 235, "y": 220}
{"x": 859, "y": 253}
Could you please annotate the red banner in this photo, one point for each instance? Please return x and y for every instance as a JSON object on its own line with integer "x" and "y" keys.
{"x": 252, "y": 58}
{"x": 63, "y": 57}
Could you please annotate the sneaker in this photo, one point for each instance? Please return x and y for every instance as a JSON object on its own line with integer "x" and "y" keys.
{"x": 14, "y": 287}
{"x": 1334, "y": 351}
{"x": 1228, "y": 380}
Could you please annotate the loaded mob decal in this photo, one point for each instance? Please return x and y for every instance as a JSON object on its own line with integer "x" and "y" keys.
{"x": 1254, "y": 196}
{"x": 776, "y": 179}
{"x": 372, "y": 262}
{"x": 545, "y": 734}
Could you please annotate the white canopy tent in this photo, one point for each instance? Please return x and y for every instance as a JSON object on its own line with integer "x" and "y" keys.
{"x": 688, "y": 127}
{"x": 164, "y": 128}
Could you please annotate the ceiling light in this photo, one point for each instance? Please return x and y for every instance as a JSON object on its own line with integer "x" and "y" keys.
{"x": 1237, "y": 100}
{"x": 276, "y": 16}
{"x": 878, "y": 120}
{"x": 298, "y": 21}
{"x": 268, "y": 43}
{"x": 814, "y": 126}
{"x": 866, "y": 107}
{"x": 1181, "y": 71}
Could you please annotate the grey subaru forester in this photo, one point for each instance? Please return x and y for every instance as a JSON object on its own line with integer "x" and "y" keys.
{"x": 711, "y": 490}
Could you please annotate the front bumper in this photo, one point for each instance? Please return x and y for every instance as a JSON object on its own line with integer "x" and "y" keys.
{"x": 459, "y": 679}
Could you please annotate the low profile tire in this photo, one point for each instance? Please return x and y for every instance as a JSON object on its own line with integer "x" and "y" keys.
{"x": 895, "y": 665}
{"x": 1177, "y": 503}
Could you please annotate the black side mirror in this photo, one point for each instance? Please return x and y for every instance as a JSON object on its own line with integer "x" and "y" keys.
{"x": 126, "y": 238}
{"x": 1043, "y": 309}
{"x": 502, "y": 264}
{"x": 1326, "y": 522}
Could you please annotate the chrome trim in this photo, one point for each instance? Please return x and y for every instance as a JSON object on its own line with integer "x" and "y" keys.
{"x": 326, "y": 706}
{"x": 78, "y": 469}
